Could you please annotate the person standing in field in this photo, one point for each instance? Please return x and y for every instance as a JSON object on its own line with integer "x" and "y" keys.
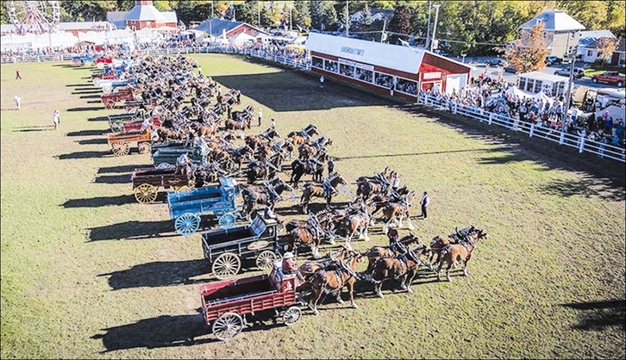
{"x": 17, "y": 74}
{"x": 18, "y": 102}
{"x": 56, "y": 119}
{"x": 260, "y": 116}
{"x": 425, "y": 202}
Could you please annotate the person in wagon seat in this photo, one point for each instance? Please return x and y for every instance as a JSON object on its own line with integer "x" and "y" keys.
{"x": 289, "y": 264}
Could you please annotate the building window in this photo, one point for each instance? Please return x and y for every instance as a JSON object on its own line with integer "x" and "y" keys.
{"x": 364, "y": 75}
{"x": 589, "y": 52}
{"x": 406, "y": 86}
{"x": 317, "y": 62}
{"x": 346, "y": 70}
{"x": 331, "y": 66}
{"x": 537, "y": 87}
{"x": 383, "y": 80}
{"x": 522, "y": 83}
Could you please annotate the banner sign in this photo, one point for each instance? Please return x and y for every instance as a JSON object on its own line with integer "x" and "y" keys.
{"x": 431, "y": 75}
{"x": 353, "y": 51}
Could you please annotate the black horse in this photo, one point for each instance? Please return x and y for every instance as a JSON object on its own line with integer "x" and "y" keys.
{"x": 311, "y": 167}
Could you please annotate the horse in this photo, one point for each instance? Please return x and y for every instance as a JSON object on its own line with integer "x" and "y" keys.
{"x": 357, "y": 222}
{"x": 334, "y": 281}
{"x": 377, "y": 252}
{"x": 386, "y": 173}
{"x": 299, "y": 138}
{"x": 403, "y": 267}
{"x": 306, "y": 270}
{"x": 399, "y": 209}
{"x": 462, "y": 252}
{"x": 313, "y": 189}
{"x": 267, "y": 194}
{"x": 311, "y": 166}
{"x": 309, "y": 235}
{"x": 265, "y": 137}
{"x": 439, "y": 242}
{"x": 382, "y": 200}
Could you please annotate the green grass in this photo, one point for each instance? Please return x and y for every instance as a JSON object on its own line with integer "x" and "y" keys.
{"x": 591, "y": 72}
{"x": 87, "y": 272}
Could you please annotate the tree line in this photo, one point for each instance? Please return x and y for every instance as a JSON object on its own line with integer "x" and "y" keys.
{"x": 470, "y": 27}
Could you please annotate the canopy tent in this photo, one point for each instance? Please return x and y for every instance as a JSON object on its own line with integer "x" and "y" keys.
{"x": 614, "y": 111}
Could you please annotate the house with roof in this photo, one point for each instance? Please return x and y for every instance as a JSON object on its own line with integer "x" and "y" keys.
{"x": 143, "y": 15}
{"x": 228, "y": 29}
{"x": 588, "y": 44}
{"x": 377, "y": 15}
{"x": 561, "y": 32}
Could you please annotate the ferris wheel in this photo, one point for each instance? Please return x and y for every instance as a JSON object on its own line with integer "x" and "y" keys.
{"x": 34, "y": 16}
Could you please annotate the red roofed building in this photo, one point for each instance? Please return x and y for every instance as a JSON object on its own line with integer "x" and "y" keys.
{"x": 143, "y": 15}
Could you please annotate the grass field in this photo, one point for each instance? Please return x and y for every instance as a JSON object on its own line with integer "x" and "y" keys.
{"x": 89, "y": 273}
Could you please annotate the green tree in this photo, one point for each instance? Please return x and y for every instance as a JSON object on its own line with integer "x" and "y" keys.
{"x": 529, "y": 51}
{"x": 342, "y": 19}
{"x": 606, "y": 46}
{"x": 400, "y": 23}
{"x": 367, "y": 16}
{"x": 329, "y": 19}
{"x": 301, "y": 14}
{"x": 162, "y": 5}
{"x": 249, "y": 12}
{"x": 87, "y": 10}
{"x": 124, "y": 5}
{"x": 317, "y": 14}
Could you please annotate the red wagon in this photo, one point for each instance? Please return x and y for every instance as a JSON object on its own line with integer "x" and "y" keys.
{"x": 227, "y": 305}
{"x": 120, "y": 94}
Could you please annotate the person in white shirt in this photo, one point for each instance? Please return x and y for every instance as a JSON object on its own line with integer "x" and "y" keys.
{"x": 18, "y": 102}
{"x": 260, "y": 116}
{"x": 182, "y": 164}
{"x": 56, "y": 119}
{"x": 322, "y": 81}
{"x": 425, "y": 202}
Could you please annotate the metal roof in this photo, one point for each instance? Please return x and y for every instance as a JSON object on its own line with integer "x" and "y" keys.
{"x": 144, "y": 12}
{"x": 536, "y": 75}
{"x": 554, "y": 20}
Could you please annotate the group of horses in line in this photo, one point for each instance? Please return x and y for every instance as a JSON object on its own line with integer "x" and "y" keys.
{"x": 396, "y": 262}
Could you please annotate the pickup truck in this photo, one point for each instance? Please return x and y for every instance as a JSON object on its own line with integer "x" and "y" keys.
{"x": 255, "y": 243}
{"x": 610, "y": 77}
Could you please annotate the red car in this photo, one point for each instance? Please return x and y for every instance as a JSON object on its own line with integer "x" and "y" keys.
{"x": 610, "y": 77}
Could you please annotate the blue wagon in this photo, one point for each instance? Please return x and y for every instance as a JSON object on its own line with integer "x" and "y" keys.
{"x": 187, "y": 206}
{"x": 166, "y": 157}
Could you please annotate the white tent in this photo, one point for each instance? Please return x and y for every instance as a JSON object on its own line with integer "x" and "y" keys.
{"x": 614, "y": 111}
{"x": 241, "y": 39}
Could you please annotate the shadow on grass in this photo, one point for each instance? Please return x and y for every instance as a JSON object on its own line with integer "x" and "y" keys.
{"x": 34, "y": 128}
{"x": 112, "y": 179}
{"x": 159, "y": 273}
{"x": 99, "y": 141}
{"x": 90, "y": 97}
{"x": 93, "y": 108}
{"x": 606, "y": 175}
{"x": 407, "y": 154}
{"x": 90, "y": 89}
{"x": 86, "y": 133}
{"x": 85, "y": 155}
{"x": 72, "y": 85}
{"x": 127, "y": 169}
{"x": 95, "y": 202}
{"x": 133, "y": 230}
{"x": 86, "y": 92}
{"x": 158, "y": 332}
{"x": 98, "y": 118}
{"x": 602, "y": 188}
{"x": 598, "y": 315}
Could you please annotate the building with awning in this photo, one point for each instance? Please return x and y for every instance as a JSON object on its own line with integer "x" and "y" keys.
{"x": 143, "y": 15}
{"x": 382, "y": 67}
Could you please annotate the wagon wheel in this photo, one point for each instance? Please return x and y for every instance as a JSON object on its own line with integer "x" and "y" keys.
{"x": 265, "y": 260}
{"x": 187, "y": 224}
{"x": 120, "y": 148}
{"x": 145, "y": 193}
{"x": 164, "y": 166}
{"x": 107, "y": 89}
{"x": 292, "y": 315}
{"x": 226, "y": 266}
{"x": 109, "y": 104}
{"x": 227, "y": 326}
{"x": 100, "y": 66}
{"x": 144, "y": 147}
{"x": 227, "y": 221}
{"x": 181, "y": 188}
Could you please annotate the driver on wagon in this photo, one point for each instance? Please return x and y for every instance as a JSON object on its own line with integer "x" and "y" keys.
{"x": 289, "y": 264}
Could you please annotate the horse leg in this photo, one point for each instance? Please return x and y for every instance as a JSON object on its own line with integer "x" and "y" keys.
{"x": 351, "y": 292}
{"x": 465, "y": 273}
{"x": 378, "y": 285}
{"x": 408, "y": 221}
{"x": 365, "y": 236}
{"x": 439, "y": 269}
{"x": 400, "y": 217}
{"x": 338, "y": 297}
{"x": 315, "y": 297}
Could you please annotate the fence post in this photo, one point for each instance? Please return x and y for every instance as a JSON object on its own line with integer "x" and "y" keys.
{"x": 532, "y": 130}
{"x": 490, "y": 118}
{"x": 515, "y": 124}
{"x": 454, "y": 110}
{"x": 562, "y": 138}
{"x": 582, "y": 144}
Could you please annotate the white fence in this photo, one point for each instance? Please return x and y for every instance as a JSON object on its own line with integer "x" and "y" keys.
{"x": 580, "y": 143}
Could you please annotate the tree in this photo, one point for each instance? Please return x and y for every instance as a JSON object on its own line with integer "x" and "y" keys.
{"x": 301, "y": 14}
{"x": 529, "y": 51}
{"x": 249, "y": 12}
{"x": 317, "y": 14}
{"x": 400, "y": 23}
{"x": 87, "y": 10}
{"x": 606, "y": 47}
{"x": 367, "y": 16}
{"x": 342, "y": 19}
{"x": 329, "y": 19}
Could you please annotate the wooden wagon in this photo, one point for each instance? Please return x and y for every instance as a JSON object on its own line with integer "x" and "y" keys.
{"x": 229, "y": 305}
{"x": 253, "y": 244}
{"x": 146, "y": 182}
{"x": 116, "y": 122}
{"x": 109, "y": 99}
{"x": 120, "y": 142}
{"x": 166, "y": 157}
{"x": 132, "y": 104}
{"x": 187, "y": 206}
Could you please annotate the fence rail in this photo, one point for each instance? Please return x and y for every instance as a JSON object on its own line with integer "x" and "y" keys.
{"x": 581, "y": 143}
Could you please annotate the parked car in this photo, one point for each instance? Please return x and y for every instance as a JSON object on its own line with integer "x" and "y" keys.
{"x": 610, "y": 77}
{"x": 496, "y": 62}
{"x": 511, "y": 69}
{"x": 578, "y": 72}
{"x": 553, "y": 60}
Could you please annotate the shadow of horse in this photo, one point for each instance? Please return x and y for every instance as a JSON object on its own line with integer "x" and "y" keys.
{"x": 98, "y": 118}
{"x": 157, "y": 332}
{"x": 98, "y": 141}
{"x": 99, "y": 201}
{"x": 35, "y": 128}
{"x": 160, "y": 273}
{"x": 86, "y": 133}
{"x": 84, "y": 155}
{"x": 598, "y": 315}
{"x": 84, "y": 92}
{"x": 133, "y": 230}
{"x": 90, "y": 97}
{"x": 112, "y": 179}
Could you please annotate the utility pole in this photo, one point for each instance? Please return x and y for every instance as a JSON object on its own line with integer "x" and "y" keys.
{"x": 290, "y": 13}
{"x": 258, "y": 13}
{"x": 430, "y": 3}
{"x": 347, "y": 19}
{"x": 383, "y": 35}
{"x": 432, "y": 43}
{"x": 569, "y": 92}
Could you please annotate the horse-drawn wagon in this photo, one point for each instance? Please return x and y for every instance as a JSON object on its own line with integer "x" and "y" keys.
{"x": 117, "y": 121}
{"x": 187, "y": 206}
{"x": 166, "y": 156}
{"x": 250, "y": 244}
{"x": 120, "y": 142}
{"x": 146, "y": 182}
{"x": 109, "y": 99}
{"x": 226, "y": 305}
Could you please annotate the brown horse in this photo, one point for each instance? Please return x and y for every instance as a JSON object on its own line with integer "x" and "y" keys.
{"x": 266, "y": 194}
{"x": 452, "y": 254}
{"x": 403, "y": 267}
{"x": 399, "y": 210}
{"x": 377, "y": 252}
{"x": 304, "y": 136}
{"x": 439, "y": 242}
{"x": 381, "y": 200}
{"x": 334, "y": 281}
{"x": 310, "y": 235}
{"x": 358, "y": 222}
{"x": 316, "y": 189}
{"x": 306, "y": 270}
